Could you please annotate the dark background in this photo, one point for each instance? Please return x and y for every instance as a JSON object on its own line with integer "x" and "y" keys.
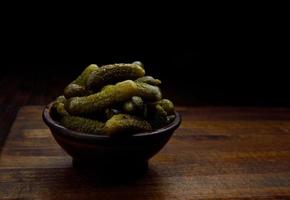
{"x": 236, "y": 57}
{"x": 240, "y": 76}
{"x": 219, "y": 61}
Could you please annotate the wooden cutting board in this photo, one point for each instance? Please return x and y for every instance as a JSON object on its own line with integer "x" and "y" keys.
{"x": 217, "y": 153}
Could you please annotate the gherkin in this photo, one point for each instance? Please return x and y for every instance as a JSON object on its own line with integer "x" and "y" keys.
{"x": 167, "y": 105}
{"x": 58, "y": 107}
{"x": 149, "y": 80}
{"x": 77, "y": 88}
{"x": 82, "y": 124}
{"x": 110, "y": 74}
{"x": 134, "y": 106}
{"x": 159, "y": 119}
{"x": 148, "y": 92}
{"x": 110, "y": 96}
{"x": 139, "y": 63}
{"x": 125, "y": 124}
{"x": 60, "y": 99}
{"x": 161, "y": 113}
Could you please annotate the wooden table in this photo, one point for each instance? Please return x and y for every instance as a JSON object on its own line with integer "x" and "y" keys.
{"x": 217, "y": 153}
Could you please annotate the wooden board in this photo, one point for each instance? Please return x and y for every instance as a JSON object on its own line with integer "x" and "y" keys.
{"x": 217, "y": 153}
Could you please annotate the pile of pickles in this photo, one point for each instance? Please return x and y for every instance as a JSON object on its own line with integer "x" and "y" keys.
{"x": 116, "y": 99}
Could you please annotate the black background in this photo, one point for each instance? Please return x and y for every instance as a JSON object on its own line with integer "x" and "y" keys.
{"x": 233, "y": 64}
{"x": 238, "y": 77}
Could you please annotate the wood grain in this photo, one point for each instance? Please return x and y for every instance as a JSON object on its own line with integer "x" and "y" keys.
{"x": 217, "y": 153}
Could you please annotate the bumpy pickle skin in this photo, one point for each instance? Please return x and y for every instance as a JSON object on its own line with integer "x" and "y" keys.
{"x": 161, "y": 113}
{"x": 58, "y": 109}
{"x": 128, "y": 107}
{"x": 134, "y": 106}
{"x": 139, "y": 63}
{"x": 110, "y": 96}
{"x": 149, "y": 80}
{"x": 75, "y": 90}
{"x": 60, "y": 99}
{"x": 148, "y": 92}
{"x": 123, "y": 124}
{"x": 110, "y": 74}
{"x": 159, "y": 118}
{"x": 167, "y": 105}
{"x": 98, "y": 102}
{"x": 82, "y": 79}
{"x": 78, "y": 87}
{"x": 82, "y": 124}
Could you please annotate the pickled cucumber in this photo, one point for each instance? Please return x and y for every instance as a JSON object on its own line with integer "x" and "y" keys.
{"x": 139, "y": 63}
{"x": 125, "y": 124}
{"x": 148, "y": 92}
{"x": 167, "y": 105}
{"x": 149, "y": 80}
{"x": 75, "y": 90}
{"x": 60, "y": 99}
{"x": 100, "y": 101}
{"x": 109, "y": 74}
{"x": 78, "y": 86}
{"x": 161, "y": 113}
{"x": 82, "y": 124}
{"x": 110, "y": 96}
{"x": 58, "y": 107}
{"x": 159, "y": 118}
{"x": 134, "y": 106}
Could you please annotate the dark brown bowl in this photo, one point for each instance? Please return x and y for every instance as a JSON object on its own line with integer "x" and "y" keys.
{"x": 103, "y": 150}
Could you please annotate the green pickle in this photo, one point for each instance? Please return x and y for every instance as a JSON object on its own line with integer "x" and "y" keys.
{"x": 114, "y": 73}
{"x": 60, "y": 99}
{"x": 75, "y": 90}
{"x": 148, "y": 92}
{"x": 125, "y": 124}
{"x": 149, "y": 80}
{"x": 78, "y": 87}
{"x": 110, "y": 96}
{"x": 134, "y": 106}
{"x": 139, "y": 63}
{"x": 159, "y": 118}
{"x": 58, "y": 107}
{"x": 82, "y": 124}
{"x": 161, "y": 113}
{"x": 167, "y": 105}
{"x": 98, "y": 102}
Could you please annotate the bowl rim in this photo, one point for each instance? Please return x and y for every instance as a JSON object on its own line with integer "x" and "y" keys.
{"x": 81, "y": 135}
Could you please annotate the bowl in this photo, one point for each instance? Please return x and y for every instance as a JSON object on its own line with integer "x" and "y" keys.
{"x": 102, "y": 150}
